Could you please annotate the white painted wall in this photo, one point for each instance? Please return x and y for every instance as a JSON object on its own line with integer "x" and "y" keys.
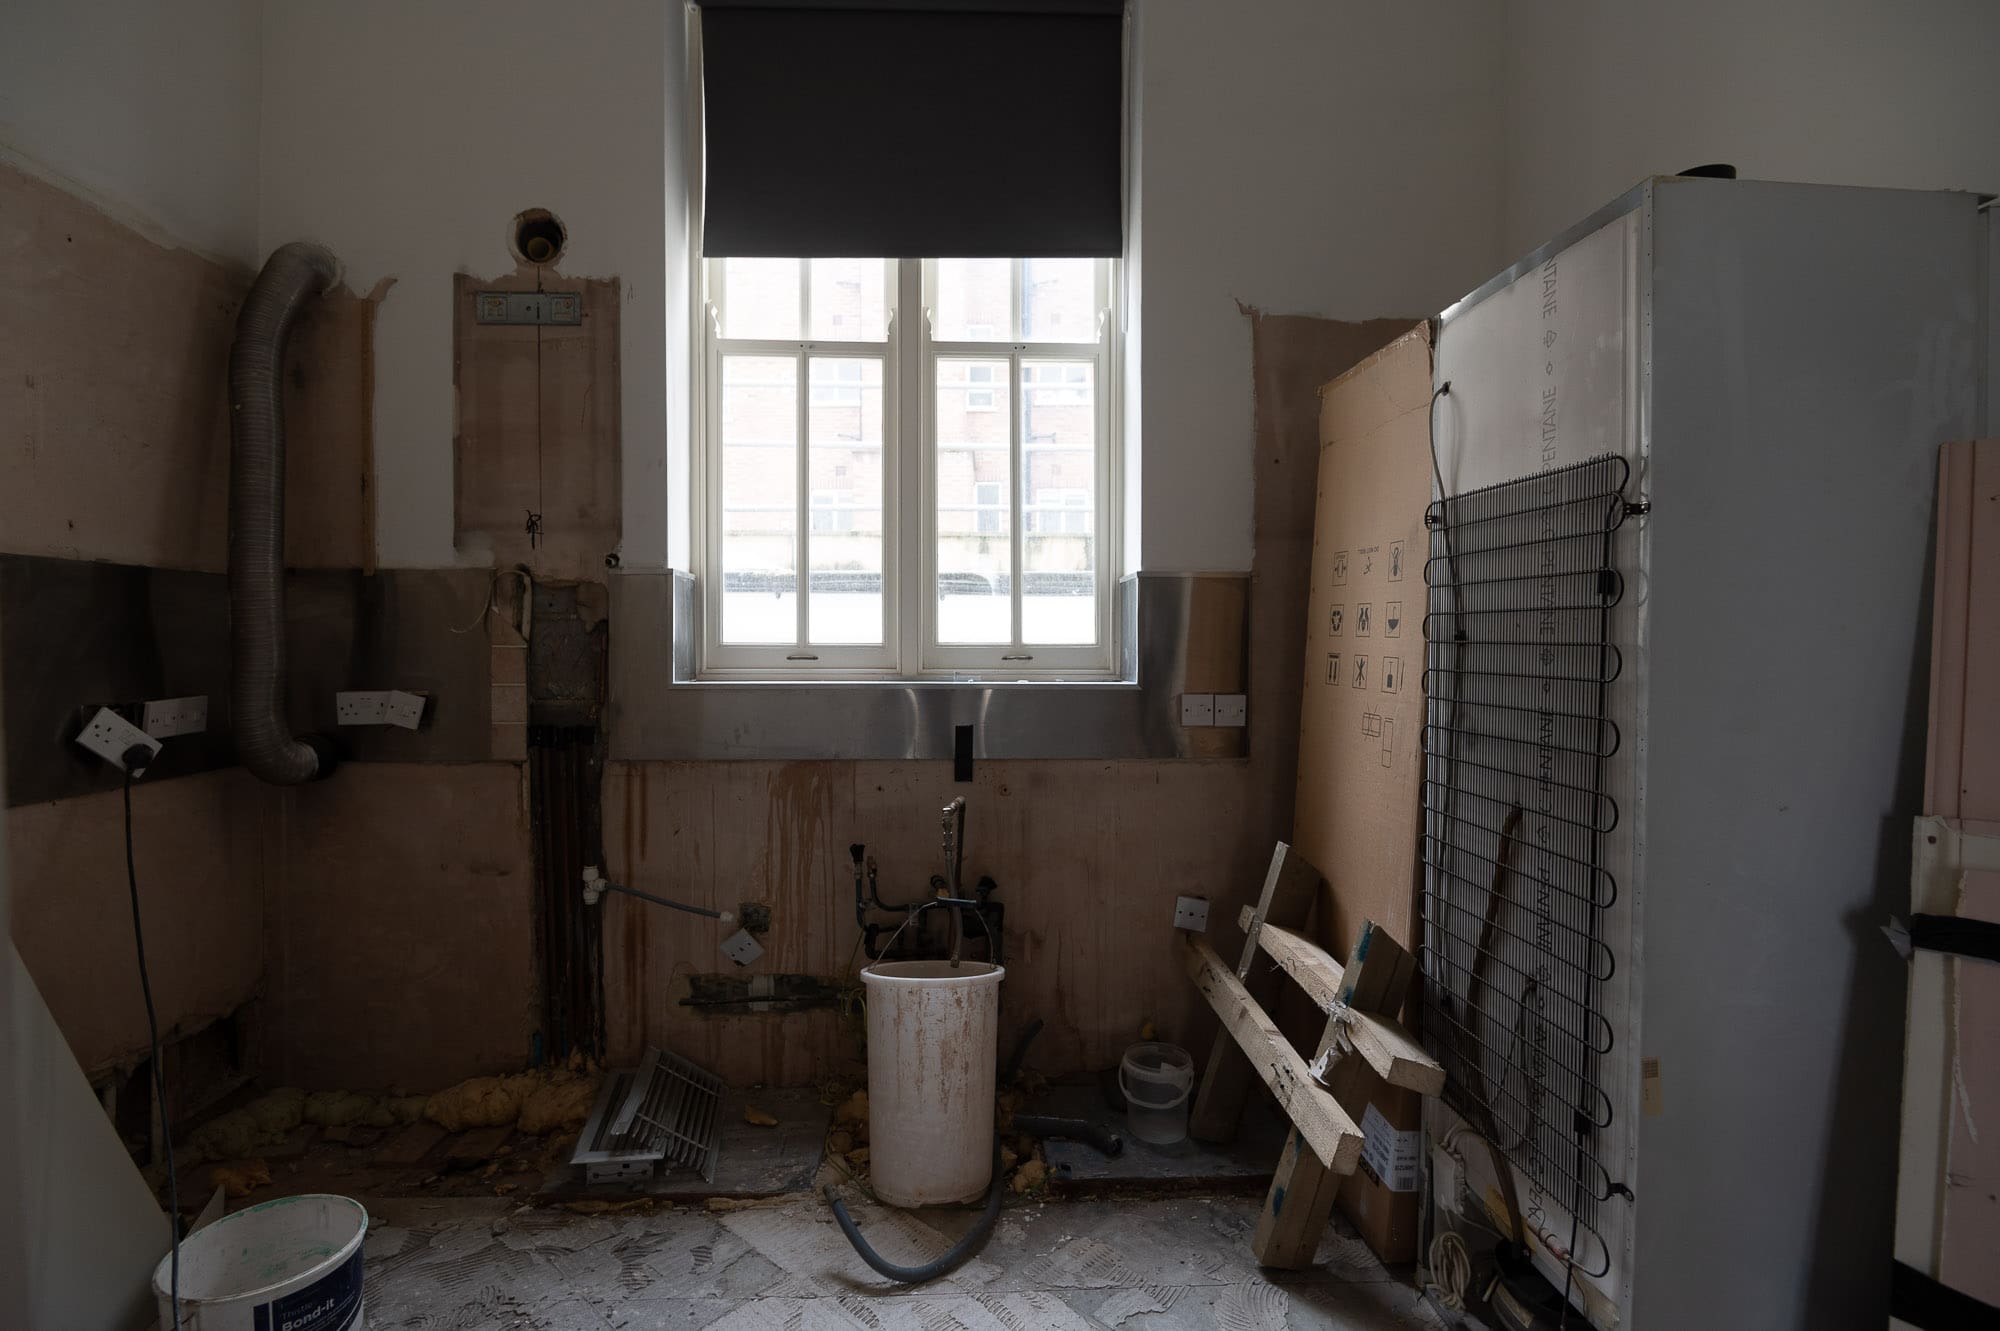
{"x": 1271, "y": 141}
{"x": 148, "y": 109}
{"x": 1838, "y": 92}
{"x": 1330, "y": 157}
{"x": 1348, "y": 158}
{"x": 406, "y": 134}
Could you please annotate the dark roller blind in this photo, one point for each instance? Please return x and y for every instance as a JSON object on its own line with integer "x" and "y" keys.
{"x": 916, "y": 129}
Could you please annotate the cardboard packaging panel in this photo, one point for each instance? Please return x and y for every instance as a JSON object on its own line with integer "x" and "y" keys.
{"x": 1360, "y": 750}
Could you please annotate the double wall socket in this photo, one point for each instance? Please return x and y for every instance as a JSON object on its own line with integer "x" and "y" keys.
{"x": 167, "y": 717}
{"x": 1214, "y": 709}
{"x": 379, "y": 707}
{"x": 109, "y": 735}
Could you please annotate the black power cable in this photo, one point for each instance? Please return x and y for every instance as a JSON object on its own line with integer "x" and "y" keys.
{"x": 137, "y": 757}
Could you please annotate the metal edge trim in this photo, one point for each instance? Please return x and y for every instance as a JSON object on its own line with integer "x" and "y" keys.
{"x": 655, "y": 712}
{"x": 1535, "y": 258}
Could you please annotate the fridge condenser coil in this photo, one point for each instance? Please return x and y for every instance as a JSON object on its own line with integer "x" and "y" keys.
{"x": 1518, "y": 661}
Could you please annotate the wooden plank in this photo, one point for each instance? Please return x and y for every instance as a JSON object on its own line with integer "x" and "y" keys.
{"x": 1290, "y": 884}
{"x": 1979, "y": 767}
{"x": 1395, "y": 1056}
{"x": 1327, "y": 1128}
{"x": 1951, "y": 592}
{"x": 1311, "y": 965}
{"x": 1376, "y": 978}
{"x": 1969, "y": 1230}
{"x": 115, "y": 401}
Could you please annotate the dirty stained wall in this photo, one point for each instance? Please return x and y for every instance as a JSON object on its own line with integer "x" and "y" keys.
{"x": 398, "y": 928}
{"x": 1089, "y": 856}
{"x": 114, "y": 446}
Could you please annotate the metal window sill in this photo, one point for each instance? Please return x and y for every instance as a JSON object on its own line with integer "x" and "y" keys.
{"x": 659, "y": 710}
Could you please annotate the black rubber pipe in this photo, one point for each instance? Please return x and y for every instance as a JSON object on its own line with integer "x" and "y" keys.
{"x": 962, "y": 1251}
{"x": 1076, "y": 1129}
{"x": 956, "y": 1256}
{"x": 1013, "y": 1066}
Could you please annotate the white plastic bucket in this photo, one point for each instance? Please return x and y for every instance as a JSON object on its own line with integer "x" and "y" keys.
{"x": 293, "y": 1264}
{"x": 1157, "y": 1079}
{"x": 932, "y": 1031}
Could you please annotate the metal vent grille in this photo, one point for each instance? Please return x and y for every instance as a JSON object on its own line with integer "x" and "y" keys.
{"x": 1517, "y": 666}
{"x": 678, "y": 1105}
{"x": 666, "y": 1109}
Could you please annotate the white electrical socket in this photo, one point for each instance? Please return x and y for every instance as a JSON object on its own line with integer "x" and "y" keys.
{"x": 742, "y": 947}
{"x": 1230, "y": 709}
{"x": 379, "y": 707}
{"x": 167, "y": 717}
{"x": 1197, "y": 709}
{"x": 108, "y": 735}
{"x": 1191, "y": 913}
{"x": 404, "y": 709}
{"x": 361, "y": 708}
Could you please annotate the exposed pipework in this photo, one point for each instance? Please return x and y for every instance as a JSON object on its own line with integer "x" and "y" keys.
{"x": 294, "y": 274}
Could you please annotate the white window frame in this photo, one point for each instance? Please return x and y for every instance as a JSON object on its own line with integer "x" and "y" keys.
{"x": 910, "y": 527}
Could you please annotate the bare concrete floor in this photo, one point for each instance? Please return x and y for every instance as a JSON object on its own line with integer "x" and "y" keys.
{"x": 1152, "y": 1265}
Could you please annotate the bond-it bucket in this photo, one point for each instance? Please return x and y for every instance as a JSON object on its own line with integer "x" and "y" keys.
{"x": 293, "y": 1263}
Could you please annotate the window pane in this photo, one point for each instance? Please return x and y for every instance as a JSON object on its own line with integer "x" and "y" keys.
{"x": 975, "y": 300}
{"x": 975, "y": 503}
{"x": 845, "y": 462}
{"x": 760, "y": 298}
{"x": 1059, "y": 502}
{"x": 759, "y": 499}
{"x": 1059, "y": 300}
{"x": 850, "y": 301}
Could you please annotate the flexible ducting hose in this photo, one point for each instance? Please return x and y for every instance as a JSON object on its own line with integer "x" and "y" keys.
{"x": 293, "y": 275}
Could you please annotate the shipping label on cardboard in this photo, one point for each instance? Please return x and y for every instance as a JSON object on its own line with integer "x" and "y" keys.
{"x": 1390, "y": 1155}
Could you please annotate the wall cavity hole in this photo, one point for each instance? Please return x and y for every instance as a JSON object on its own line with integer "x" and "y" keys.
{"x": 539, "y": 236}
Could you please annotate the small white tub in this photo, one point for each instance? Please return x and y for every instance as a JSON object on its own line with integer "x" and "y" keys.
{"x": 293, "y": 1264}
{"x": 932, "y": 1032}
{"x": 1157, "y": 1079}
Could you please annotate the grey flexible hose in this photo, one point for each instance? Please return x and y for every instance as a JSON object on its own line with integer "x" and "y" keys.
{"x": 294, "y": 274}
{"x": 954, "y": 1257}
{"x": 960, "y": 1252}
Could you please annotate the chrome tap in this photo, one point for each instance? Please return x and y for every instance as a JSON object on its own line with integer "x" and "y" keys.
{"x": 954, "y": 845}
{"x": 954, "y": 860}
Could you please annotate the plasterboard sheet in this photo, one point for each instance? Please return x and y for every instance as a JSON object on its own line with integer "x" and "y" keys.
{"x": 1545, "y": 372}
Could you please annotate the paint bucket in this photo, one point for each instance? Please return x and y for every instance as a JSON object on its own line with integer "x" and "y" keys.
{"x": 293, "y": 1264}
{"x": 932, "y": 1030}
{"x": 1157, "y": 1079}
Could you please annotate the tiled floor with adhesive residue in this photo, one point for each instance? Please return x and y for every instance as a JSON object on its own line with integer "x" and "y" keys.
{"x": 1153, "y": 1265}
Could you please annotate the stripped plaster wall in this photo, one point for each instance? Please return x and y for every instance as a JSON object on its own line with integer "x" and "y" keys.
{"x": 1341, "y": 158}
{"x": 1089, "y": 856}
{"x": 415, "y": 173}
{"x": 113, "y": 446}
